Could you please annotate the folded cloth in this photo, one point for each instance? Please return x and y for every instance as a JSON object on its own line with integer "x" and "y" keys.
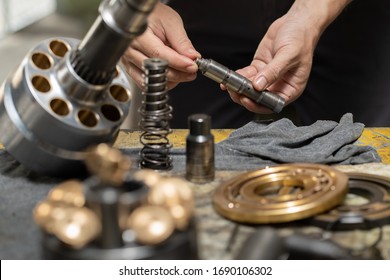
{"x": 258, "y": 144}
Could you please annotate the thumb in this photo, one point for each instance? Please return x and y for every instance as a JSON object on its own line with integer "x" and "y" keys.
{"x": 271, "y": 72}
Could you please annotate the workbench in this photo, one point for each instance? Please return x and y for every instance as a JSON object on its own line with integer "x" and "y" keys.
{"x": 20, "y": 237}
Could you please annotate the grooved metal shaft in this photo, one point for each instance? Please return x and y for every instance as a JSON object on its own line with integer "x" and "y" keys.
{"x": 238, "y": 83}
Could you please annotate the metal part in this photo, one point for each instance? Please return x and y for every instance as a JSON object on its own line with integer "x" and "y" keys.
{"x": 181, "y": 246}
{"x": 104, "y": 202}
{"x": 200, "y": 166}
{"x": 175, "y": 195}
{"x": 239, "y": 84}
{"x": 369, "y": 208}
{"x": 108, "y": 164}
{"x": 266, "y": 244}
{"x": 69, "y": 192}
{"x": 67, "y": 95}
{"x": 152, "y": 224}
{"x": 74, "y": 226}
{"x": 281, "y": 193}
{"x": 156, "y": 114}
{"x": 134, "y": 215}
{"x": 77, "y": 227}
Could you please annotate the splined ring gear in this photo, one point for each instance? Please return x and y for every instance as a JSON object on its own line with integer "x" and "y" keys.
{"x": 282, "y": 193}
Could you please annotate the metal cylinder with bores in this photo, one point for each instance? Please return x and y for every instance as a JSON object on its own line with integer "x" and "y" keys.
{"x": 239, "y": 84}
{"x": 67, "y": 95}
{"x": 200, "y": 150}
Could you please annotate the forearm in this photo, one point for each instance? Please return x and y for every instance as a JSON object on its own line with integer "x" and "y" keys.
{"x": 318, "y": 13}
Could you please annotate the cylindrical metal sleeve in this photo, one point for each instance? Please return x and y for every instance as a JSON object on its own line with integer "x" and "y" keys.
{"x": 238, "y": 83}
{"x": 200, "y": 150}
{"x": 99, "y": 52}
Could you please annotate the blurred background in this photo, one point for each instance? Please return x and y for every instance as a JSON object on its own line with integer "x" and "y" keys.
{"x": 24, "y": 23}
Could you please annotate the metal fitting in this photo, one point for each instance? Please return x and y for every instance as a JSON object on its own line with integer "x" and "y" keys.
{"x": 239, "y": 84}
{"x": 200, "y": 150}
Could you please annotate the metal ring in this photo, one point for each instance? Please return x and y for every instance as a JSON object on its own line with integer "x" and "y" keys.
{"x": 282, "y": 193}
{"x": 374, "y": 212}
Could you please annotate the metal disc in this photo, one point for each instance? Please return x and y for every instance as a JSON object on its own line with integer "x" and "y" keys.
{"x": 366, "y": 206}
{"x": 281, "y": 193}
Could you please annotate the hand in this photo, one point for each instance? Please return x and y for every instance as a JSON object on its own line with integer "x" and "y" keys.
{"x": 283, "y": 59}
{"x": 164, "y": 38}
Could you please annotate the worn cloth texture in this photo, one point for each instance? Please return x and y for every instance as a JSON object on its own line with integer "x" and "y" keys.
{"x": 326, "y": 142}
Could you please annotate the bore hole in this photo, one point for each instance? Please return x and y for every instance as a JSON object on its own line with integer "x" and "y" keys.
{"x": 119, "y": 93}
{"x": 59, "y": 106}
{"x": 41, "y": 84}
{"x": 59, "y": 48}
{"x": 111, "y": 112}
{"x": 87, "y": 118}
{"x": 41, "y": 60}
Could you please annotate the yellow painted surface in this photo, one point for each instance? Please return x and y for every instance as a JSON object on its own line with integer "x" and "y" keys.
{"x": 177, "y": 138}
{"x": 378, "y": 137}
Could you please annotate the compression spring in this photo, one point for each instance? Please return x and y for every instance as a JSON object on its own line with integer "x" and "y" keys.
{"x": 155, "y": 116}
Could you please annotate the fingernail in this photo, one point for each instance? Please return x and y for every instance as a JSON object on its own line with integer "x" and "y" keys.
{"x": 261, "y": 82}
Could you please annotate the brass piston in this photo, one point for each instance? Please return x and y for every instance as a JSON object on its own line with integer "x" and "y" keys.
{"x": 281, "y": 193}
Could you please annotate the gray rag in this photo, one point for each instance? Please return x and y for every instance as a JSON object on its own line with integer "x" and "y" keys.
{"x": 258, "y": 143}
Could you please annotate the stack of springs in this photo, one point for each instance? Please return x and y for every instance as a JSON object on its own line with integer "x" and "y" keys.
{"x": 155, "y": 116}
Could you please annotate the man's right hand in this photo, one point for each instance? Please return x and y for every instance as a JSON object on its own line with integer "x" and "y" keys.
{"x": 164, "y": 38}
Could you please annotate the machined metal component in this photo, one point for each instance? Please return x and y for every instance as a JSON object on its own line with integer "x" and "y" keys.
{"x": 239, "y": 84}
{"x": 175, "y": 195}
{"x": 74, "y": 226}
{"x": 135, "y": 215}
{"x": 200, "y": 167}
{"x": 68, "y": 95}
{"x": 77, "y": 227}
{"x": 156, "y": 114}
{"x": 366, "y": 206}
{"x": 70, "y": 192}
{"x": 281, "y": 193}
{"x": 152, "y": 224}
{"x": 108, "y": 164}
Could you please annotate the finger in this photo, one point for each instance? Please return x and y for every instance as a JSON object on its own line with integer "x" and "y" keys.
{"x": 152, "y": 46}
{"x": 272, "y": 71}
{"x": 135, "y": 58}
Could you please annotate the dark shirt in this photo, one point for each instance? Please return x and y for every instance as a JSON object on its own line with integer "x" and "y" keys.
{"x": 350, "y": 68}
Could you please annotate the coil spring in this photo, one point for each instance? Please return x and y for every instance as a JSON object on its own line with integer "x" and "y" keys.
{"x": 155, "y": 116}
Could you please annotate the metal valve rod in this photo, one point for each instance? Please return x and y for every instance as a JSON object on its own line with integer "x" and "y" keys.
{"x": 68, "y": 95}
{"x": 238, "y": 83}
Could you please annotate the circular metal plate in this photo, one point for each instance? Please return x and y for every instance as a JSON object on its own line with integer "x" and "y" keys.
{"x": 282, "y": 193}
{"x": 366, "y": 206}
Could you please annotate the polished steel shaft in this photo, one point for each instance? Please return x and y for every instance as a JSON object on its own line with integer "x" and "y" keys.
{"x": 238, "y": 83}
